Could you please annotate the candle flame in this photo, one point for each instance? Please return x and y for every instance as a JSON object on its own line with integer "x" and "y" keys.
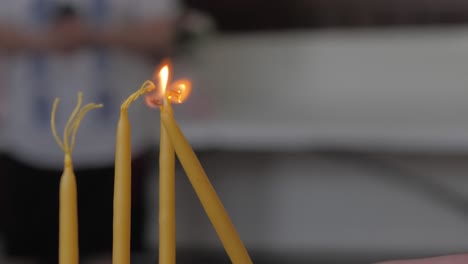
{"x": 176, "y": 92}
{"x": 179, "y": 91}
{"x": 163, "y": 78}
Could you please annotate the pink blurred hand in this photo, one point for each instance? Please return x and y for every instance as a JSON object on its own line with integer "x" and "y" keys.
{"x": 455, "y": 259}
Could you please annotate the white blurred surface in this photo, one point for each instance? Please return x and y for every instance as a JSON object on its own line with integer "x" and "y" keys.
{"x": 397, "y": 89}
{"x": 307, "y": 203}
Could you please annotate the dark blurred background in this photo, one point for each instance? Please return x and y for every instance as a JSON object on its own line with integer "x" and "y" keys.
{"x": 334, "y": 131}
{"x": 259, "y": 15}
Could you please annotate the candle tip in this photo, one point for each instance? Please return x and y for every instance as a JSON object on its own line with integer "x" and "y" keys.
{"x": 176, "y": 92}
{"x": 146, "y": 87}
{"x": 68, "y": 161}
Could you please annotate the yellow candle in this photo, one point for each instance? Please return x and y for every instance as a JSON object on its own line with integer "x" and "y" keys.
{"x": 167, "y": 229}
{"x": 123, "y": 183}
{"x": 68, "y": 212}
{"x": 122, "y": 192}
{"x": 68, "y": 216}
{"x": 167, "y": 239}
{"x": 205, "y": 191}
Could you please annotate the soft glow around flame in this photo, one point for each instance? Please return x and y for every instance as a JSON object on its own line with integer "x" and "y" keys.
{"x": 177, "y": 92}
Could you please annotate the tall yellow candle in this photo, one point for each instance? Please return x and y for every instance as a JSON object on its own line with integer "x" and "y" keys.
{"x": 205, "y": 191}
{"x": 167, "y": 229}
{"x": 68, "y": 212}
{"x": 167, "y": 222}
{"x": 123, "y": 183}
{"x": 122, "y": 192}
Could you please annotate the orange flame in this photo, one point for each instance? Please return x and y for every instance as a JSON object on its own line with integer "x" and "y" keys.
{"x": 176, "y": 92}
{"x": 179, "y": 91}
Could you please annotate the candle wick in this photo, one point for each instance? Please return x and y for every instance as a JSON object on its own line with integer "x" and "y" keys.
{"x": 146, "y": 87}
{"x": 72, "y": 125}
{"x": 53, "y": 126}
{"x": 66, "y": 131}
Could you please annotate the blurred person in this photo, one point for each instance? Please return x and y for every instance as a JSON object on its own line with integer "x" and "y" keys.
{"x": 106, "y": 49}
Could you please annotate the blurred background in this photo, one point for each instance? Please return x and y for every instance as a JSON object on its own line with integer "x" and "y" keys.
{"x": 334, "y": 131}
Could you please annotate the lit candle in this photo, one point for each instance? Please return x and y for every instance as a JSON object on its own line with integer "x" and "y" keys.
{"x": 123, "y": 182}
{"x": 167, "y": 229}
{"x": 68, "y": 212}
{"x": 210, "y": 201}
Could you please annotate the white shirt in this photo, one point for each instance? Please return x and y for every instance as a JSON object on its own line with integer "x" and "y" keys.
{"x": 28, "y": 120}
